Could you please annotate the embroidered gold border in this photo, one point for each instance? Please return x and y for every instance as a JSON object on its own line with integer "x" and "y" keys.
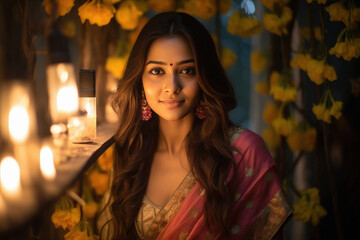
{"x": 171, "y": 208}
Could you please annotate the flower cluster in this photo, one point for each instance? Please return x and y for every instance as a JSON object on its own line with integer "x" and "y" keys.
{"x": 327, "y": 108}
{"x": 300, "y": 61}
{"x": 228, "y": 58}
{"x": 162, "y": 5}
{"x": 348, "y": 49}
{"x": 65, "y": 215}
{"x": 243, "y": 25}
{"x": 303, "y": 138}
{"x": 271, "y": 138}
{"x": 82, "y": 231}
{"x": 339, "y": 13}
{"x": 128, "y": 15}
{"x": 282, "y": 89}
{"x": 319, "y": 71}
{"x": 62, "y": 6}
{"x": 276, "y": 23}
{"x": 258, "y": 62}
{"x": 97, "y": 12}
{"x": 308, "y": 208}
{"x": 284, "y": 126}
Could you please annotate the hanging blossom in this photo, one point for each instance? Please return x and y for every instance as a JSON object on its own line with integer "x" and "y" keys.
{"x": 303, "y": 138}
{"x": 319, "y": 71}
{"x": 105, "y": 161}
{"x": 99, "y": 181}
{"x": 65, "y": 215}
{"x": 204, "y": 9}
{"x": 273, "y": 4}
{"x": 228, "y": 58}
{"x": 277, "y": 23}
{"x": 308, "y": 208}
{"x": 90, "y": 208}
{"x": 271, "y": 112}
{"x": 62, "y": 6}
{"x": 243, "y": 25}
{"x": 128, "y": 15}
{"x": 97, "y": 12}
{"x": 82, "y": 231}
{"x": 271, "y": 138}
{"x": 262, "y": 87}
{"x": 327, "y": 107}
{"x": 339, "y": 13}
{"x": 300, "y": 61}
{"x": 284, "y": 126}
{"x": 347, "y": 45}
{"x": 284, "y": 89}
{"x": 258, "y": 61}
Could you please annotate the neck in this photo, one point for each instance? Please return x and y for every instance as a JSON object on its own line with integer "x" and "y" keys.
{"x": 172, "y": 134}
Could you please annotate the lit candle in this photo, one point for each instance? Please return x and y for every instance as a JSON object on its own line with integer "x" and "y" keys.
{"x": 19, "y": 123}
{"x": 10, "y": 176}
{"x": 47, "y": 163}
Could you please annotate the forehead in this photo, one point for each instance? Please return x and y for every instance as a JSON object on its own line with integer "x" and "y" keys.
{"x": 169, "y": 49}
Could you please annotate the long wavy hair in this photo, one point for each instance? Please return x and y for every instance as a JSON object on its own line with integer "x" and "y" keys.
{"x": 207, "y": 144}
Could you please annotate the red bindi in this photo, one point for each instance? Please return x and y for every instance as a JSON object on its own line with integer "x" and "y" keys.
{"x": 171, "y": 64}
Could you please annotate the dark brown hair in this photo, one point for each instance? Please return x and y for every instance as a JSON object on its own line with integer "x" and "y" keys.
{"x": 207, "y": 144}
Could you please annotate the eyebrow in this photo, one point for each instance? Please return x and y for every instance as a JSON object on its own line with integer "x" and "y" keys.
{"x": 163, "y": 63}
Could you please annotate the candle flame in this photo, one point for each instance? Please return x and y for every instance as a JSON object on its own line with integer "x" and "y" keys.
{"x": 19, "y": 123}
{"x": 10, "y": 175}
{"x": 47, "y": 163}
{"x": 67, "y": 99}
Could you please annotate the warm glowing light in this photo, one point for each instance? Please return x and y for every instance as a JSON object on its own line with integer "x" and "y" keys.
{"x": 88, "y": 109}
{"x": 67, "y": 99}
{"x": 64, "y": 76}
{"x": 19, "y": 123}
{"x": 47, "y": 163}
{"x": 10, "y": 175}
{"x": 63, "y": 73}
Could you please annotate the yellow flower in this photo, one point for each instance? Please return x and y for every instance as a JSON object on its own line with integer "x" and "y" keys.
{"x": 308, "y": 207}
{"x": 300, "y": 61}
{"x": 322, "y": 113}
{"x": 271, "y": 138}
{"x": 258, "y": 61}
{"x": 128, "y": 15}
{"x": 82, "y": 231}
{"x": 228, "y": 58}
{"x": 336, "y": 108}
{"x": 162, "y": 5}
{"x": 66, "y": 219}
{"x": 116, "y": 65}
{"x": 274, "y": 78}
{"x": 243, "y": 26}
{"x": 271, "y": 112}
{"x": 339, "y": 13}
{"x": 348, "y": 49}
{"x": 262, "y": 87}
{"x": 106, "y": 160}
{"x": 270, "y": 4}
{"x": 283, "y": 93}
{"x": 63, "y": 6}
{"x": 204, "y": 9}
{"x": 277, "y": 24}
{"x": 302, "y": 140}
{"x": 284, "y": 126}
{"x": 99, "y": 181}
{"x": 318, "y": 71}
{"x": 96, "y": 12}
{"x": 90, "y": 209}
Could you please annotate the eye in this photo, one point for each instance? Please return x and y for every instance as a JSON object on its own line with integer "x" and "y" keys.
{"x": 188, "y": 71}
{"x": 156, "y": 71}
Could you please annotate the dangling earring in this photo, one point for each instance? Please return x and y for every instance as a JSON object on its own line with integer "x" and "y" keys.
{"x": 200, "y": 111}
{"x": 146, "y": 110}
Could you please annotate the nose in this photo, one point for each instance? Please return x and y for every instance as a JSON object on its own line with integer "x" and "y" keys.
{"x": 172, "y": 84}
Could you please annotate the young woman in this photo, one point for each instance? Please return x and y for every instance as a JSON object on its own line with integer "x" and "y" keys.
{"x": 182, "y": 170}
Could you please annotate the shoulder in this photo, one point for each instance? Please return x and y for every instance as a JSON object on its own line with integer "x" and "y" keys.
{"x": 249, "y": 149}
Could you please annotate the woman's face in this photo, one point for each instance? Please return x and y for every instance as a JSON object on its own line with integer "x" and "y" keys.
{"x": 169, "y": 79}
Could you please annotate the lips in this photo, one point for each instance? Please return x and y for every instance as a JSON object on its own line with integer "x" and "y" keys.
{"x": 172, "y": 103}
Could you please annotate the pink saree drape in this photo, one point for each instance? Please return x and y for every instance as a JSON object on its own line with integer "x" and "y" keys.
{"x": 259, "y": 208}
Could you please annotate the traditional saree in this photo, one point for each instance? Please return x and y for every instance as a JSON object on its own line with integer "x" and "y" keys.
{"x": 259, "y": 206}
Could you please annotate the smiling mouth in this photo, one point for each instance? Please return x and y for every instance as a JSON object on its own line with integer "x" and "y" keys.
{"x": 172, "y": 103}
